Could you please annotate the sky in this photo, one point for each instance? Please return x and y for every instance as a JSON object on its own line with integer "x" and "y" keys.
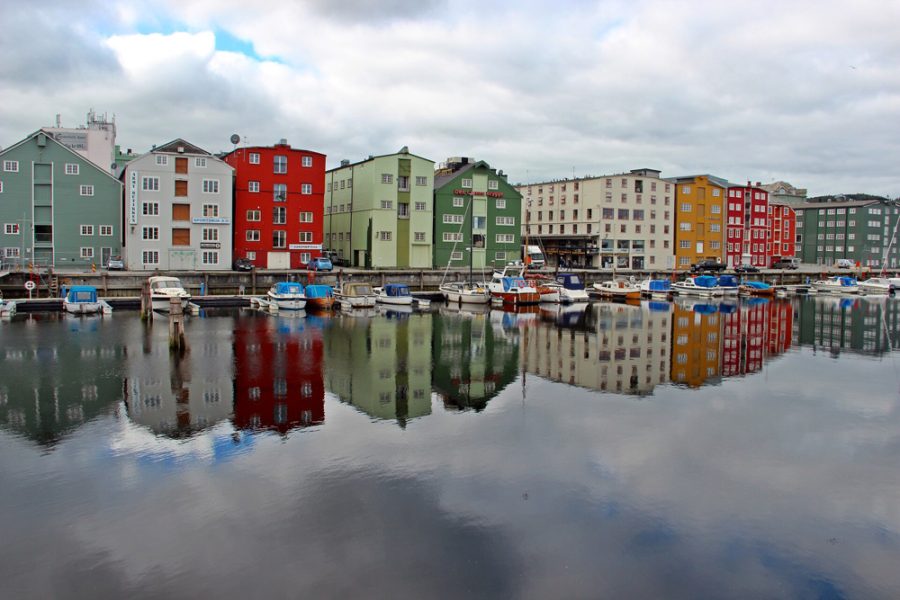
{"x": 805, "y": 92}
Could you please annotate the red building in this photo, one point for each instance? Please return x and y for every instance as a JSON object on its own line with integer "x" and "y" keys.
{"x": 279, "y": 200}
{"x": 782, "y": 232}
{"x": 747, "y": 213}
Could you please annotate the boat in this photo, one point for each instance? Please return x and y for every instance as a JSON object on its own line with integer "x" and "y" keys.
{"x": 356, "y": 295}
{"x": 464, "y": 292}
{"x": 510, "y": 288}
{"x": 287, "y": 295}
{"x": 730, "y": 284}
{"x": 547, "y": 289}
{"x": 618, "y": 289}
{"x": 319, "y": 296}
{"x": 839, "y": 284}
{"x": 757, "y": 288}
{"x": 876, "y": 285}
{"x": 7, "y": 307}
{"x": 572, "y": 288}
{"x": 658, "y": 289}
{"x": 701, "y": 285}
{"x": 396, "y": 294}
{"x": 82, "y": 300}
{"x": 163, "y": 288}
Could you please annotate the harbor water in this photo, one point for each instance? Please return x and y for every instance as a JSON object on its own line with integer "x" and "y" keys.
{"x": 726, "y": 449}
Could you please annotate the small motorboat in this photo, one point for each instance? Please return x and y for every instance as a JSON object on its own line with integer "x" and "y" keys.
{"x": 7, "y": 307}
{"x": 658, "y": 289}
{"x": 287, "y": 295}
{"x": 839, "y": 284}
{"x": 617, "y": 289}
{"x": 395, "y": 293}
{"x": 876, "y": 285}
{"x": 464, "y": 292}
{"x": 356, "y": 295}
{"x": 510, "y": 288}
{"x": 757, "y": 288}
{"x": 163, "y": 288}
{"x": 319, "y": 296}
{"x": 82, "y": 300}
{"x": 730, "y": 284}
{"x": 572, "y": 288}
{"x": 703, "y": 285}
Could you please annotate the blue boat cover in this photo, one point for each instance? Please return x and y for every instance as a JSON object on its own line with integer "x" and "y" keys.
{"x": 757, "y": 285}
{"x": 513, "y": 282}
{"x": 396, "y": 289}
{"x": 570, "y": 281}
{"x": 319, "y": 291}
{"x": 660, "y": 285}
{"x": 847, "y": 281}
{"x": 729, "y": 281}
{"x": 288, "y": 287}
{"x": 706, "y": 281}
{"x": 82, "y": 293}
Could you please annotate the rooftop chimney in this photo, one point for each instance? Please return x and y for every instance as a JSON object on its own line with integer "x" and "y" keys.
{"x": 345, "y": 162}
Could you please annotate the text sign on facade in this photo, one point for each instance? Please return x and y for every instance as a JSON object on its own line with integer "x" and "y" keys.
{"x": 210, "y": 245}
{"x": 132, "y": 199}
{"x": 305, "y": 247}
{"x": 210, "y": 220}
{"x": 71, "y": 139}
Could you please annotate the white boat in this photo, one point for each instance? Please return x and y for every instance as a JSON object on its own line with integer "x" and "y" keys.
{"x": 510, "y": 287}
{"x": 658, "y": 289}
{"x": 464, "y": 292}
{"x": 572, "y": 289}
{"x": 876, "y": 285}
{"x": 394, "y": 293}
{"x": 7, "y": 307}
{"x": 355, "y": 295}
{"x": 287, "y": 295}
{"x": 705, "y": 286}
{"x": 617, "y": 289}
{"x": 82, "y": 300}
{"x": 839, "y": 284}
{"x": 163, "y": 288}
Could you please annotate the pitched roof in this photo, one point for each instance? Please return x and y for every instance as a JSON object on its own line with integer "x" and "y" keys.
{"x": 402, "y": 152}
{"x": 52, "y": 139}
{"x": 179, "y": 146}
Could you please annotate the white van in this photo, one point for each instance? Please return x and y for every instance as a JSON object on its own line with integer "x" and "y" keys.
{"x": 844, "y": 263}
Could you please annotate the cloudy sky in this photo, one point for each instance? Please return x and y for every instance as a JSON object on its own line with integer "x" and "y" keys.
{"x": 803, "y": 91}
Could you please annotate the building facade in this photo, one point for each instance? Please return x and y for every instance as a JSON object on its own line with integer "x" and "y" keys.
{"x": 782, "y": 232}
{"x": 784, "y": 193}
{"x": 379, "y": 211}
{"x": 613, "y": 221}
{"x": 475, "y": 208}
{"x": 95, "y": 140}
{"x": 57, "y": 208}
{"x": 746, "y": 236}
{"x": 178, "y": 210}
{"x": 699, "y": 219}
{"x": 864, "y": 232}
{"x": 278, "y": 205}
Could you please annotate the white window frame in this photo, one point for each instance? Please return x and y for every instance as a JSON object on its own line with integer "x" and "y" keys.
{"x": 210, "y": 186}
{"x": 305, "y": 237}
{"x": 500, "y": 203}
{"x": 456, "y": 255}
{"x": 253, "y": 158}
{"x": 387, "y": 204}
{"x": 72, "y": 168}
{"x": 210, "y": 234}
{"x": 450, "y": 236}
{"x": 86, "y": 252}
{"x": 209, "y": 257}
{"x": 306, "y": 216}
{"x": 420, "y": 180}
{"x": 253, "y": 187}
{"x": 504, "y": 238}
{"x": 11, "y": 229}
{"x": 150, "y": 209}
{"x": 106, "y": 230}
{"x": 306, "y": 161}
{"x": 251, "y": 235}
{"x": 387, "y": 178}
{"x": 162, "y": 160}
{"x": 11, "y": 166}
{"x": 493, "y": 184}
{"x": 306, "y": 189}
{"x": 419, "y": 236}
{"x": 280, "y": 164}
{"x": 87, "y": 230}
{"x": 86, "y": 190}
{"x": 12, "y": 252}
{"x": 153, "y": 232}
{"x": 200, "y": 161}
{"x": 150, "y": 254}
{"x": 149, "y": 184}
{"x": 458, "y": 201}
{"x": 210, "y": 210}
{"x": 421, "y": 206}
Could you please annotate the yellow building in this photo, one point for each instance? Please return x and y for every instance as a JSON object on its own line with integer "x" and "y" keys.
{"x": 699, "y": 219}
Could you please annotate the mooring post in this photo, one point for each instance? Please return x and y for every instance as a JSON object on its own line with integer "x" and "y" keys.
{"x": 253, "y": 281}
{"x": 146, "y": 302}
{"x": 176, "y": 325}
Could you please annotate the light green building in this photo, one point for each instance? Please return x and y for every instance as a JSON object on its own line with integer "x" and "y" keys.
{"x": 379, "y": 211}
{"x": 57, "y": 208}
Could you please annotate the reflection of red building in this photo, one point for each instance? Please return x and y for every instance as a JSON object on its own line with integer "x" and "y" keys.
{"x": 278, "y": 382}
{"x": 279, "y": 200}
{"x": 781, "y": 324}
{"x": 756, "y": 331}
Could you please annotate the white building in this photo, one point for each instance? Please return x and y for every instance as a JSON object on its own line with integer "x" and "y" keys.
{"x": 95, "y": 141}
{"x": 178, "y": 207}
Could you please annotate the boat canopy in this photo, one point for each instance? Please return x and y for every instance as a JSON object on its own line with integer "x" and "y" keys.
{"x": 396, "y": 289}
{"x": 757, "y": 285}
{"x": 513, "y": 282}
{"x": 288, "y": 287}
{"x": 161, "y": 283}
{"x": 660, "y": 285}
{"x": 729, "y": 281}
{"x": 82, "y": 293}
{"x": 319, "y": 291}
{"x": 570, "y": 281}
{"x": 847, "y": 281}
{"x": 706, "y": 281}
{"x": 357, "y": 289}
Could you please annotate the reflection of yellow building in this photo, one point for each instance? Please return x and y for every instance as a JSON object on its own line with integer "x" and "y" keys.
{"x": 626, "y": 351}
{"x": 699, "y": 219}
{"x": 696, "y": 344}
{"x": 381, "y": 366}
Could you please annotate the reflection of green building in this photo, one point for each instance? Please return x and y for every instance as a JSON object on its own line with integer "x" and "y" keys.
{"x": 381, "y": 365}
{"x": 59, "y": 378}
{"x": 841, "y": 324}
{"x": 472, "y": 364}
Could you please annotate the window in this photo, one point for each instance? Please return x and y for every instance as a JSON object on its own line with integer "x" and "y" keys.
{"x": 252, "y": 235}
{"x": 254, "y": 215}
{"x": 387, "y": 204}
{"x": 279, "y": 192}
{"x": 402, "y": 183}
{"x": 715, "y": 209}
{"x": 506, "y": 221}
{"x": 452, "y": 237}
{"x": 150, "y": 257}
{"x": 11, "y": 166}
{"x": 150, "y": 209}
{"x": 306, "y": 217}
{"x": 493, "y": 184}
{"x": 210, "y": 234}
{"x": 623, "y": 214}
{"x": 87, "y": 190}
{"x": 162, "y": 159}
{"x": 71, "y": 168}
{"x": 306, "y": 161}
{"x": 279, "y": 238}
{"x": 87, "y": 230}
{"x": 210, "y": 210}
{"x": 12, "y": 229}
{"x": 420, "y": 236}
{"x": 501, "y": 203}
{"x": 279, "y": 215}
{"x": 457, "y": 255}
{"x": 457, "y": 201}
{"x": 306, "y": 189}
{"x": 686, "y": 207}
{"x": 715, "y": 227}
{"x": 421, "y": 180}
{"x": 209, "y": 257}
{"x": 306, "y": 237}
{"x": 11, "y": 252}
{"x": 210, "y": 186}
{"x": 1, "y": 187}
{"x": 684, "y": 226}
{"x": 421, "y": 206}
{"x": 254, "y": 158}
{"x": 684, "y": 244}
{"x": 384, "y": 236}
{"x": 280, "y": 164}
{"x": 150, "y": 233}
{"x": 505, "y": 238}
{"x": 403, "y": 210}
{"x": 87, "y": 252}
{"x": 448, "y": 218}
{"x": 150, "y": 184}
{"x": 253, "y": 186}
{"x": 467, "y": 183}
{"x": 387, "y": 178}
{"x": 685, "y": 189}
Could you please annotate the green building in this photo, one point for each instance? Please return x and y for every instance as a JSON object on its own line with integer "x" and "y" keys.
{"x": 857, "y": 230}
{"x": 57, "y": 208}
{"x": 378, "y": 212}
{"x": 475, "y": 208}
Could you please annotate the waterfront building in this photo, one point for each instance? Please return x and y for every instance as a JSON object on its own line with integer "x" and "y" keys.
{"x": 781, "y": 192}
{"x": 178, "y": 209}
{"x": 379, "y": 211}
{"x": 278, "y": 205}
{"x": 95, "y": 140}
{"x": 475, "y": 208}
{"x": 747, "y": 226}
{"x": 57, "y": 208}
{"x": 862, "y": 231}
{"x": 612, "y": 221}
{"x": 699, "y": 219}
{"x": 781, "y": 232}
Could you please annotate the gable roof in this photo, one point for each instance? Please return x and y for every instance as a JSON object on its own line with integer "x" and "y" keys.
{"x": 179, "y": 146}
{"x": 371, "y": 158}
{"x": 51, "y": 139}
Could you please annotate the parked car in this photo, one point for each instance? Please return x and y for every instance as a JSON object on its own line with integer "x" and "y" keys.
{"x": 746, "y": 269}
{"x": 844, "y": 263}
{"x": 243, "y": 264}
{"x": 335, "y": 259}
{"x": 707, "y": 265}
{"x": 115, "y": 263}
{"x": 320, "y": 263}
{"x": 785, "y": 263}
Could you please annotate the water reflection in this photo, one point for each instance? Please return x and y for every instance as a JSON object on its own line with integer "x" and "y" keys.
{"x": 867, "y": 325}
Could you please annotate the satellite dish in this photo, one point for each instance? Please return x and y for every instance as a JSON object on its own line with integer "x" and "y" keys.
{"x": 235, "y": 138}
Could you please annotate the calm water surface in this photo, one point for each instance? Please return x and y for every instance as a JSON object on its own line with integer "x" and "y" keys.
{"x": 690, "y": 450}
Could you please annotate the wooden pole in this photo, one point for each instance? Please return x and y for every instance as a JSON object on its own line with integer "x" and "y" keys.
{"x": 146, "y": 302}
{"x": 176, "y": 325}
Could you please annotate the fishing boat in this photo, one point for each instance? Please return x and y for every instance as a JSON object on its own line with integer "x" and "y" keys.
{"x": 730, "y": 284}
{"x": 465, "y": 292}
{"x": 510, "y": 288}
{"x": 394, "y": 293}
{"x": 839, "y": 284}
{"x": 617, "y": 289}
{"x": 658, "y": 289}
{"x": 757, "y": 288}
{"x": 356, "y": 295}
{"x": 287, "y": 295}
{"x": 82, "y": 300}
{"x": 319, "y": 296}
{"x": 703, "y": 285}
{"x": 163, "y": 288}
{"x": 572, "y": 288}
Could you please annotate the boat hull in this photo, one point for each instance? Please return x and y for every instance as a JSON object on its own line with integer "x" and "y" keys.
{"x": 82, "y": 308}
{"x": 396, "y": 300}
{"x": 161, "y": 303}
{"x": 320, "y": 303}
{"x": 517, "y": 298}
{"x": 357, "y": 301}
